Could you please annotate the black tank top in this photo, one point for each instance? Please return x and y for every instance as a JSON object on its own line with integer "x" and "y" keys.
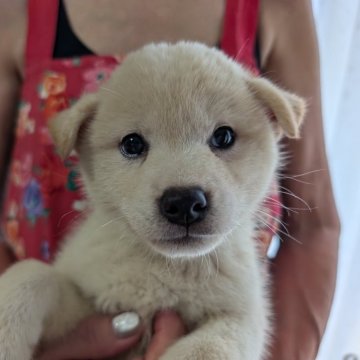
{"x": 67, "y": 44}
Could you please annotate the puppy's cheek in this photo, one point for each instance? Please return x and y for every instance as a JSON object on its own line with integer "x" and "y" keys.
{"x": 223, "y": 212}
{"x": 251, "y": 183}
{"x": 233, "y": 199}
{"x": 116, "y": 181}
{"x": 140, "y": 213}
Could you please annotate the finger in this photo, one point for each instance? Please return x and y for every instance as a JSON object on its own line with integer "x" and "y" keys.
{"x": 168, "y": 327}
{"x": 94, "y": 338}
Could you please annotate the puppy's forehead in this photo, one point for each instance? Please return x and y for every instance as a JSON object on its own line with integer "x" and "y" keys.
{"x": 180, "y": 89}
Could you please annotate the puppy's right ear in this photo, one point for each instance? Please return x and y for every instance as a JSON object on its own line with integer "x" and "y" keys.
{"x": 65, "y": 127}
{"x": 289, "y": 109}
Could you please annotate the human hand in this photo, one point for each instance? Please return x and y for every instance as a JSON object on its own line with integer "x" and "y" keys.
{"x": 168, "y": 327}
{"x": 95, "y": 338}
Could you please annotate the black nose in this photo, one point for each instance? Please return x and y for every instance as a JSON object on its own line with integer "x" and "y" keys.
{"x": 184, "y": 206}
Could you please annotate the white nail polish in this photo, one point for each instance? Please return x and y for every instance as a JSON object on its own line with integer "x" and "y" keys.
{"x": 125, "y": 324}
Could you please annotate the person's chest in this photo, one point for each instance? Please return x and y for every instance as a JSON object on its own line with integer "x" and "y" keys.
{"x": 113, "y": 26}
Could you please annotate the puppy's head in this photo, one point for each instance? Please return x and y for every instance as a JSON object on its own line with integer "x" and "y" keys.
{"x": 179, "y": 144}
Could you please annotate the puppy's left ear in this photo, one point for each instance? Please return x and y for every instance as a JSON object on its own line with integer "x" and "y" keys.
{"x": 65, "y": 127}
{"x": 289, "y": 109}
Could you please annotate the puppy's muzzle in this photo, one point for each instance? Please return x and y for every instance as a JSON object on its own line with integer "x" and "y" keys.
{"x": 184, "y": 206}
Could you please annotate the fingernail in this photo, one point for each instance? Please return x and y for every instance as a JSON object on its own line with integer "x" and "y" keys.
{"x": 126, "y": 324}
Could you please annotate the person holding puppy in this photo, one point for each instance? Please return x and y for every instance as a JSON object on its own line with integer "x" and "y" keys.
{"x": 42, "y": 195}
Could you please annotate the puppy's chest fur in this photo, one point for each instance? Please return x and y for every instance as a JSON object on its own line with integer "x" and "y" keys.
{"x": 196, "y": 292}
{"x": 149, "y": 291}
{"x": 123, "y": 279}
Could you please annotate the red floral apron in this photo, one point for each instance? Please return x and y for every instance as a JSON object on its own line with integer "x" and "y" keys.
{"x": 43, "y": 199}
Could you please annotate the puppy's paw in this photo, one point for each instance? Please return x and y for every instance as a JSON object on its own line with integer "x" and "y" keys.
{"x": 15, "y": 337}
{"x": 11, "y": 349}
{"x": 199, "y": 350}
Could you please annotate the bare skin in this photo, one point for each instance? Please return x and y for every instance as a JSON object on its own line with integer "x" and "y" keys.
{"x": 305, "y": 269}
{"x": 95, "y": 339}
{"x": 304, "y": 272}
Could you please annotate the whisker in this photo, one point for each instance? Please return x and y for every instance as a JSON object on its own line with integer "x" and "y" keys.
{"x": 281, "y": 205}
{"x": 217, "y": 263}
{"x": 302, "y": 174}
{"x": 285, "y": 191}
{"x": 276, "y": 219}
{"x": 113, "y": 92}
{"x": 208, "y": 265}
{"x": 109, "y": 222}
{"x": 297, "y": 180}
{"x": 286, "y": 232}
{"x": 64, "y": 215}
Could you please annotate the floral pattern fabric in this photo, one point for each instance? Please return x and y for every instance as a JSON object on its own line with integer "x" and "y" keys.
{"x": 43, "y": 197}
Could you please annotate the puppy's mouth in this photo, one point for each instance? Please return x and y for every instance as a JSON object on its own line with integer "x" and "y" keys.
{"x": 186, "y": 240}
{"x": 188, "y": 245}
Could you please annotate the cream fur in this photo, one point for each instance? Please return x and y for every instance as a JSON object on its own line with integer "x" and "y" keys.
{"x": 123, "y": 256}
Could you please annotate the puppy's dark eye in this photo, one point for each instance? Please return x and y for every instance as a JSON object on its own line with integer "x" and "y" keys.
{"x": 132, "y": 146}
{"x": 222, "y": 138}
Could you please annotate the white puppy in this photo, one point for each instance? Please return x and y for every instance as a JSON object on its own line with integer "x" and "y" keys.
{"x": 177, "y": 152}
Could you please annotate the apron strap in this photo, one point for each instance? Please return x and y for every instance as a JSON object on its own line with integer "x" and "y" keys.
{"x": 42, "y": 23}
{"x": 240, "y": 31}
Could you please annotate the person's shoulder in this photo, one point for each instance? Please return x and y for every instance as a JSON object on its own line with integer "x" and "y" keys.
{"x": 284, "y": 9}
{"x": 286, "y": 3}
{"x": 279, "y": 20}
{"x": 12, "y": 13}
{"x": 13, "y": 22}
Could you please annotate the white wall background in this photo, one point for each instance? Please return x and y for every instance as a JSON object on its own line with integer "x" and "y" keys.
{"x": 338, "y": 23}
